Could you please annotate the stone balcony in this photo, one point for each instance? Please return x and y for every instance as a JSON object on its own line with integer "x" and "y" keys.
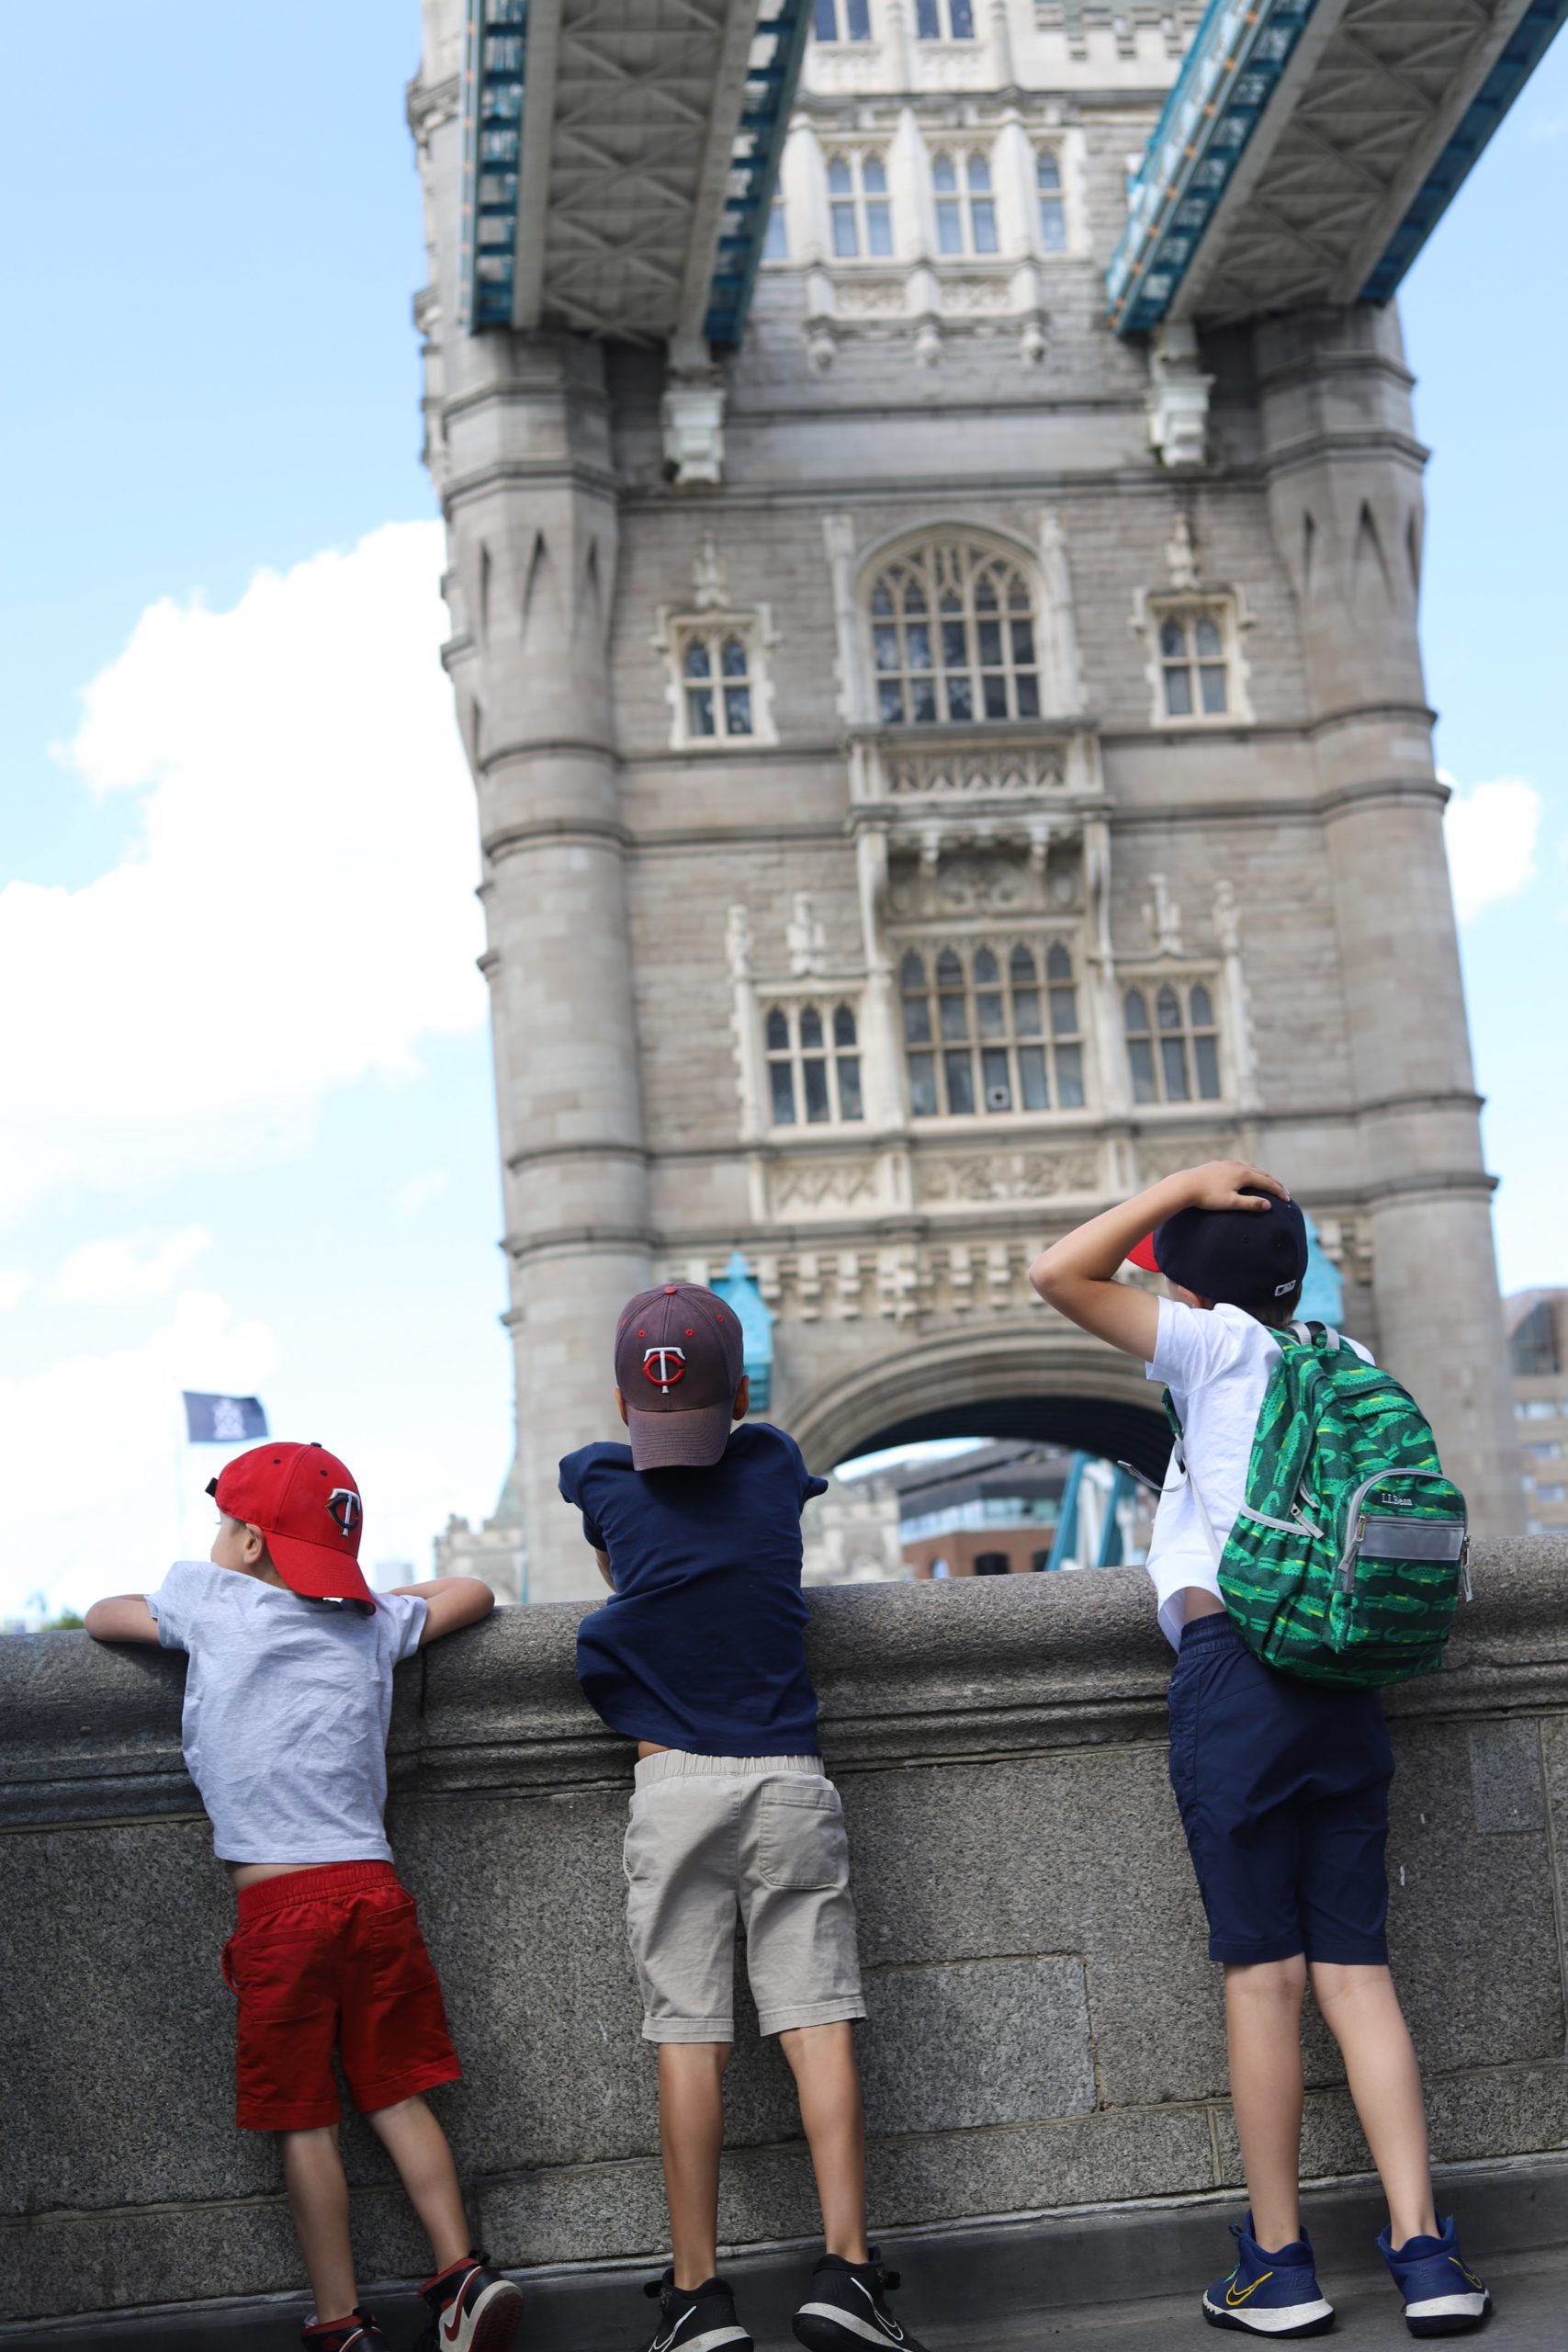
{"x": 1046, "y": 2033}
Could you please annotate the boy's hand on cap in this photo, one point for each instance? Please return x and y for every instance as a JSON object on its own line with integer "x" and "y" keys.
{"x": 1232, "y": 1184}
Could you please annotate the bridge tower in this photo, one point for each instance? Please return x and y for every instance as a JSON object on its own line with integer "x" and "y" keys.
{"x": 934, "y": 629}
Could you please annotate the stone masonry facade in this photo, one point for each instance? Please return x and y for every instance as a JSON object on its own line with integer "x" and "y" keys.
{"x": 990, "y": 769}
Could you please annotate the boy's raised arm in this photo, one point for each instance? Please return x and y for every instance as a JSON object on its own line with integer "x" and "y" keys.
{"x": 1077, "y": 1274}
{"x": 123, "y": 1618}
{"x": 449, "y": 1602}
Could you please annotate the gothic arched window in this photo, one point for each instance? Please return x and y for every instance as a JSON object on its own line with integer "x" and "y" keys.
{"x": 1052, "y": 210}
{"x": 1194, "y": 668}
{"x": 952, "y": 637}
{"x": 981, "y": 1035}
{"x": 715, "y": 666}
{"x": 1175, "y": 1057}
{"x": 944, "y": 19}
{"x": 813, "y": 1063}
{"x": 859, "y": 205}
{"x": 965, "y": 210}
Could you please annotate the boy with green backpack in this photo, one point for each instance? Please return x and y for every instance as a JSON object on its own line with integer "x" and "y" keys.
{"x": 1306, "y": 1549}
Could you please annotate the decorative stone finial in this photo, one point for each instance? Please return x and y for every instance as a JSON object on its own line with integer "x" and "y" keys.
{"x": 1180, "y": 553}
{"x": 1227, "y": 917}
{"x": 806, "y": 937}
{"x": 711, "y": 591}
{"x": 737, "y": 944}
{"x": 1164, "y": 917}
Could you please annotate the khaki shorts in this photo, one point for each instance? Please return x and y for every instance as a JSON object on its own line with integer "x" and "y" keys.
{"x": 712, "y": 1837}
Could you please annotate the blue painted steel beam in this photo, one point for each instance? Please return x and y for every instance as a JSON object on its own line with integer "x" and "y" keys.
{"x": 1064, "y": 1542}
{"x": 1231, "y": 72}
{"x": 1527, "y": 46}
{"x": 495, "y": 65}
{"x": 754, "y": 170}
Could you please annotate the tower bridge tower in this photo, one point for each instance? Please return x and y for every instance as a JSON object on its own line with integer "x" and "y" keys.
{"x": 934, "y": 629}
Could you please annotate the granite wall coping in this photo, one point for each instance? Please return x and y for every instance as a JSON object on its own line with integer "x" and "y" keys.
{"x": 969, "y": 1668}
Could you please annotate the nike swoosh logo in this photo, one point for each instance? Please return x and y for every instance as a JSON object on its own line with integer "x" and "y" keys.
{"x": 889, "y": 2327}
{"x": 1233, "y": 2299}
{"x": 453, "y": 2323}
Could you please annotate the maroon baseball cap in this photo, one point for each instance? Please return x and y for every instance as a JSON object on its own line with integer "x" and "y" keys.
{"x": 679, "y": 1361}
{"x": 307, "y": 1505}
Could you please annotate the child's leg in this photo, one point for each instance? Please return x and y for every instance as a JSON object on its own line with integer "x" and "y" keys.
{"x": 826, "y": 2078}
{"x": 318, "y": 2200}
{"x": 1263, "y": 2022}
{"x": 691, "y": 2139}
{"x": 417, "y": 2145}
{"x": 1361, "y": 2010}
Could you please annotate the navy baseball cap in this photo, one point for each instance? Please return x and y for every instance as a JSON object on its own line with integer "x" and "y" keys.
{"x": 1233, "y": 1256}
{"x": 679, "y": 1360}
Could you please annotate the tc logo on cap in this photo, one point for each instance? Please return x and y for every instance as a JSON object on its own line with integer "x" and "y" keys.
{"x": 344, "y": 1506}
{"x": 664, "y": 1367}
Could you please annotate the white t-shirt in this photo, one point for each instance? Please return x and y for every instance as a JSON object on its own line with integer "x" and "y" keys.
{"x": 1215, "y": 1361}
{"x": 286, "y": 1711}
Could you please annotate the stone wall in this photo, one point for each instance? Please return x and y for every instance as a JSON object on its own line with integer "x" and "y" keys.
{"x": 1044, "y": 2032}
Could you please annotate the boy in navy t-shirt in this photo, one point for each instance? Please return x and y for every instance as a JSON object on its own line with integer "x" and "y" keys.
{"x": 700, "y": 1657}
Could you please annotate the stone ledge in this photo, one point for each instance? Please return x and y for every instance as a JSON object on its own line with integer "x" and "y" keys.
{"x": 965, "y": 1668}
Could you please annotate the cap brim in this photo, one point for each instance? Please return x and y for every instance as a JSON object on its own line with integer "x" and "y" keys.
{"x": 1143, "y": 1255}
{"x": 316, "y": 1572}
{"x": 689, "y": 1440}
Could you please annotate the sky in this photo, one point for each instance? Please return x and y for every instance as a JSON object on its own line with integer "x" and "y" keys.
{"x": 246, "y": 1125}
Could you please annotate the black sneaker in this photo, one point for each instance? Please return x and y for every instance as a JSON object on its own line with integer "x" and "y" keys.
{"x": 695, "y": 2319}
{"x": 471, "y": 2310}
{"x": 847, "y": 2307}
{"x": 359, "y": 2333}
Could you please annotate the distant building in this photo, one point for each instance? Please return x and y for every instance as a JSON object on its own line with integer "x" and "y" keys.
{"x": 493, "y": 1551}
{"x": 850, "y": 1534}
{"x": 1013, "y": 1508}
{"x": 1537, "y": 1323}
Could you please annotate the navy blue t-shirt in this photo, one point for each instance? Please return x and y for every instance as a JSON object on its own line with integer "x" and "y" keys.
{"x": 704, "y": 1645}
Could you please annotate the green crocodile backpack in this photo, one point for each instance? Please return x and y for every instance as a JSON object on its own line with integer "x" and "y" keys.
{"x": 1347, "y": 1557}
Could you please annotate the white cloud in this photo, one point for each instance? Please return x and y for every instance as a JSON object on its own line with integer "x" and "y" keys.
{"x": 15, "y": 1284}
{"x": 1491, "y": 833}
{"x": 419, "y": 1191}
{"x": 121, "y": 1273}
{"x": 299, "y": 911}
{"x": 90, "y": 1448}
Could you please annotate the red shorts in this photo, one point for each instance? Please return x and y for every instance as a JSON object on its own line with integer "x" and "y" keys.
{"x": 333, "y": 1958}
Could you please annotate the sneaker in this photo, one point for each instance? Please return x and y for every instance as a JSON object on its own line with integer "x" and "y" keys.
{"x": 847, "y": 2307}
{"x": 1269, "y": 2294}
{"x": 357, "y": 2334}
{"x": 1442, "y": 2296}
{"x": 695, "y": 2319}
{"x": 471, "y": 2310}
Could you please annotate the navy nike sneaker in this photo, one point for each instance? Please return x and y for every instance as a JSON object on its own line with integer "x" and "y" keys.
{"x": 1269, "y": 2294}
{"x": 1442, "y": 2294}
{"x": 847, "y": 2306}
{"x": 695, "y": 2319}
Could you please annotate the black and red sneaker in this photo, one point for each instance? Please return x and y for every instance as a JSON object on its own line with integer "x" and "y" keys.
{"x": 358, "y": 2333}
{"x": 472, "y": 2308}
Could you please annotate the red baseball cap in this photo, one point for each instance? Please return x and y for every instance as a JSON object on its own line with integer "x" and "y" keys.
{"x": 307, "y": 1505}
{"x": 679, "y": 1360}
{"x": 1143, "y": 1255}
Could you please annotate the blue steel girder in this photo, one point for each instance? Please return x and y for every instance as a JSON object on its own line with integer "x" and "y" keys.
{"x": 494, "y": 93}
{"x": 1231, "y": 80}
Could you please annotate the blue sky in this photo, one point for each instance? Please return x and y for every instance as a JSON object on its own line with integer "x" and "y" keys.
{"x": 246, "y": 1132}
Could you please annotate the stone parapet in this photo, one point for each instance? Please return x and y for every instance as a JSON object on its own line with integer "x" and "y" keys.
{"x": 1045, "y": 2030}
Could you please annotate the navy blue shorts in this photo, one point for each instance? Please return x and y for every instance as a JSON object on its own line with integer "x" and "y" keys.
{"x": 1283, "y": 1791}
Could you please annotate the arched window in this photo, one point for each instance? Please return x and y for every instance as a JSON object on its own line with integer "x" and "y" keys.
{"x": 857, "y": 199}
{"x": 944, "y": 19}
{"x": 966, "y": 212}
{"x": 952, "y": 637}
{"x": 841, "y": 20}
{"x": 1175, "y": 1057}
{"x": 1052, "y": 212}
{"x": 980, "y": 1034}
{"x": 1193, "y": 666}
{"x": 813, "y": 1064}
{"x": 715, "y": 669}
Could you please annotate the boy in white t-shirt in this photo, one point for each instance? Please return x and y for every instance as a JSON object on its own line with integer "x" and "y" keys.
{"x": 1282, "y": 1783}
{"x": 288, "y": 1697}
